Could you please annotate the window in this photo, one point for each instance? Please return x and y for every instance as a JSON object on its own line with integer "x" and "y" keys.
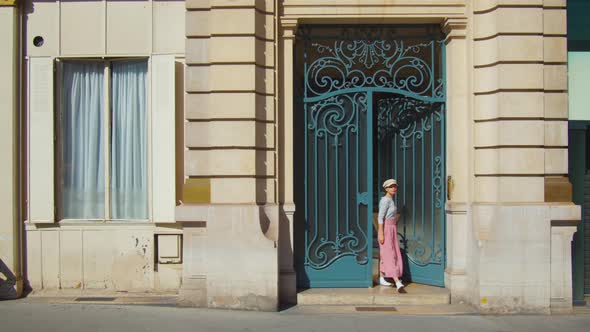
{"x": 102, "y": 149}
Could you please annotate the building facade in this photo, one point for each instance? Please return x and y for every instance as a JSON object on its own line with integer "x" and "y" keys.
{"x": 231, "y": 151}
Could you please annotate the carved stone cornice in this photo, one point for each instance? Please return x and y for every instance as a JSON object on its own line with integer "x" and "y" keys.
{"x": 454, "y": 28}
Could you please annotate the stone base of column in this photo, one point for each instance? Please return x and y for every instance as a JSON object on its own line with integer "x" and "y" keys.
{"x": 519, "y": 259}
{"x": 232, "y": 262}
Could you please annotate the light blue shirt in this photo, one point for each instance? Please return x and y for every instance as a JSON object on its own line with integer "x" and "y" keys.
{"x": 387, "y": 209}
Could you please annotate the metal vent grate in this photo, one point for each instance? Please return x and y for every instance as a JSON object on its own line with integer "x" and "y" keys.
{"x": 95, "y": 299}
{"x": 373, "y": 309}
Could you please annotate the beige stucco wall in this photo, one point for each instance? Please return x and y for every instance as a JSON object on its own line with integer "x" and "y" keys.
{"x": 10, "y": 259}
{"x": 108, "y": 256}
{"x": 113, "y": 28}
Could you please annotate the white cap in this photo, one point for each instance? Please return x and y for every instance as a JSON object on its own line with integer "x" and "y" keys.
{"x": 389, "y": 183}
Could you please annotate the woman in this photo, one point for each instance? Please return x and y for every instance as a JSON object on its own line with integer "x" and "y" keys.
{"x": 390, "y": 262}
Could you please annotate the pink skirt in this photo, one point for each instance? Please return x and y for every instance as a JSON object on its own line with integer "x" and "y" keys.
{"x": 390, "y": 263}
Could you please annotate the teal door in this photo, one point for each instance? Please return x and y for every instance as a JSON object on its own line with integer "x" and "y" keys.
{"x": 410, "y": 147}
{"x": 338, "y": 203}
{"x": 346, "y": 144}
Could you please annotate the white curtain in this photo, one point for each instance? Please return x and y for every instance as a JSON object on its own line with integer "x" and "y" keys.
{"x": 128, "y": 186}
{"x": 83, "y": 176}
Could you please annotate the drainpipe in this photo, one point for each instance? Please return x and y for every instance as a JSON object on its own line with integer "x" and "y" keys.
{"x": 21, "y": 284}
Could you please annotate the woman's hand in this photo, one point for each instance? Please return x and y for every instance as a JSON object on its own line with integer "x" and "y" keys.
{"x": 381, "y": 237}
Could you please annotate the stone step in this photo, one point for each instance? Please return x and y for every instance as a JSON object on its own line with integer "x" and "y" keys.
{"x": 413, "y": 294}
{"x": 426, "y": 309}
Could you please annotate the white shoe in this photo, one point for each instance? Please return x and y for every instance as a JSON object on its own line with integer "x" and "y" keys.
{"x": 384, "y": 282}
{"x": 399, "y": 285}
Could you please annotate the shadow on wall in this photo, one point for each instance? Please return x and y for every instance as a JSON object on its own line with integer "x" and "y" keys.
{"x": 7, "y": 282}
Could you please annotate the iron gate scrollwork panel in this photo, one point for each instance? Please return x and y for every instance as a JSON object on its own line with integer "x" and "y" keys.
{"x": 367, "y": 94}
{"x": 337, "y": 139}
{"x": 410, "y": 148}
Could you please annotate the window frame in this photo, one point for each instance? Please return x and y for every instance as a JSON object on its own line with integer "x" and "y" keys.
{"x": 107, "y": 123}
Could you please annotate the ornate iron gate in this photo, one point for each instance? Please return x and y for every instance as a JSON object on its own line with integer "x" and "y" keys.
{"x": 371, "y": 102}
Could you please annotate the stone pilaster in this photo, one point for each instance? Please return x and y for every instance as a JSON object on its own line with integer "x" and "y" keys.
{"x": 520, "y": 146}
{"x": 231, "y": 147}
{"x": 287, "y": 277}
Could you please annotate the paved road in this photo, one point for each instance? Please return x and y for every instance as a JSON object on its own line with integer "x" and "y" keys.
{"x": 23, "y": 316}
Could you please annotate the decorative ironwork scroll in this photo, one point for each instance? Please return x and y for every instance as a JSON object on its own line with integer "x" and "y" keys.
{"x": 377, "y": 57}
{"x": 336, "y": 229}
{"x": 410, "y": 148}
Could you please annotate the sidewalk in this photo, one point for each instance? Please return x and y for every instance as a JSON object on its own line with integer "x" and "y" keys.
{"x": 23, "y": 315}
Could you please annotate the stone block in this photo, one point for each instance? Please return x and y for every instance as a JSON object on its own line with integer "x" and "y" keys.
{"x": 509, "y": 104}
{"x": 198, "y": 24}
{"x": 524, "y": 289}
{"x": 556, "y": 133}
{"x": 509, "y": 76}
{"x": 265, "y": 80}
{"x": 234, "y": 3}
{"x": 198, "y": 4}
{"x": 242, "y": 190}
{"x": 555, "y": 22}
{"x": 264, "y": 25}
{"x": 555, "y": 77}
{"x": 197, "y": 79}
{"x": 230, "y": 105}
{"x": 556, "y": 161}
{"x": 233, "y": 77}
{"x": 494, "y": 133}
{"x": 508, "y": 48}
{"x": 554, "y": 3}
{"x": 236, "y": 237}
{"x": 508, "y": 20}
{"x": 230, "y": 162}
{"x": 555, "y": 49}
{"x": 509, "y": 161}
{"x": 558, "y": 188}
{"x": 233, "y": 49}
{"x": 197, "y": 50}
{"x": 233, "y": 21}
{"x": 196, "y": 191}
{"x": 265, "y": 53}
{"x": 556, "y": 105}
{"x": 509, "y": 189}
{"x": 565, "y": 212}
{"x": 229, "y": 134}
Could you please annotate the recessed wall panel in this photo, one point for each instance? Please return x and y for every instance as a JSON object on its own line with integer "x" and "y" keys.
{"x": 129, "y": 27}
{"x": 82, "y": 28}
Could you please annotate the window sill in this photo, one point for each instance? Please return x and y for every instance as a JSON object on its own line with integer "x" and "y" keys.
{"x": 90, "y": 223}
